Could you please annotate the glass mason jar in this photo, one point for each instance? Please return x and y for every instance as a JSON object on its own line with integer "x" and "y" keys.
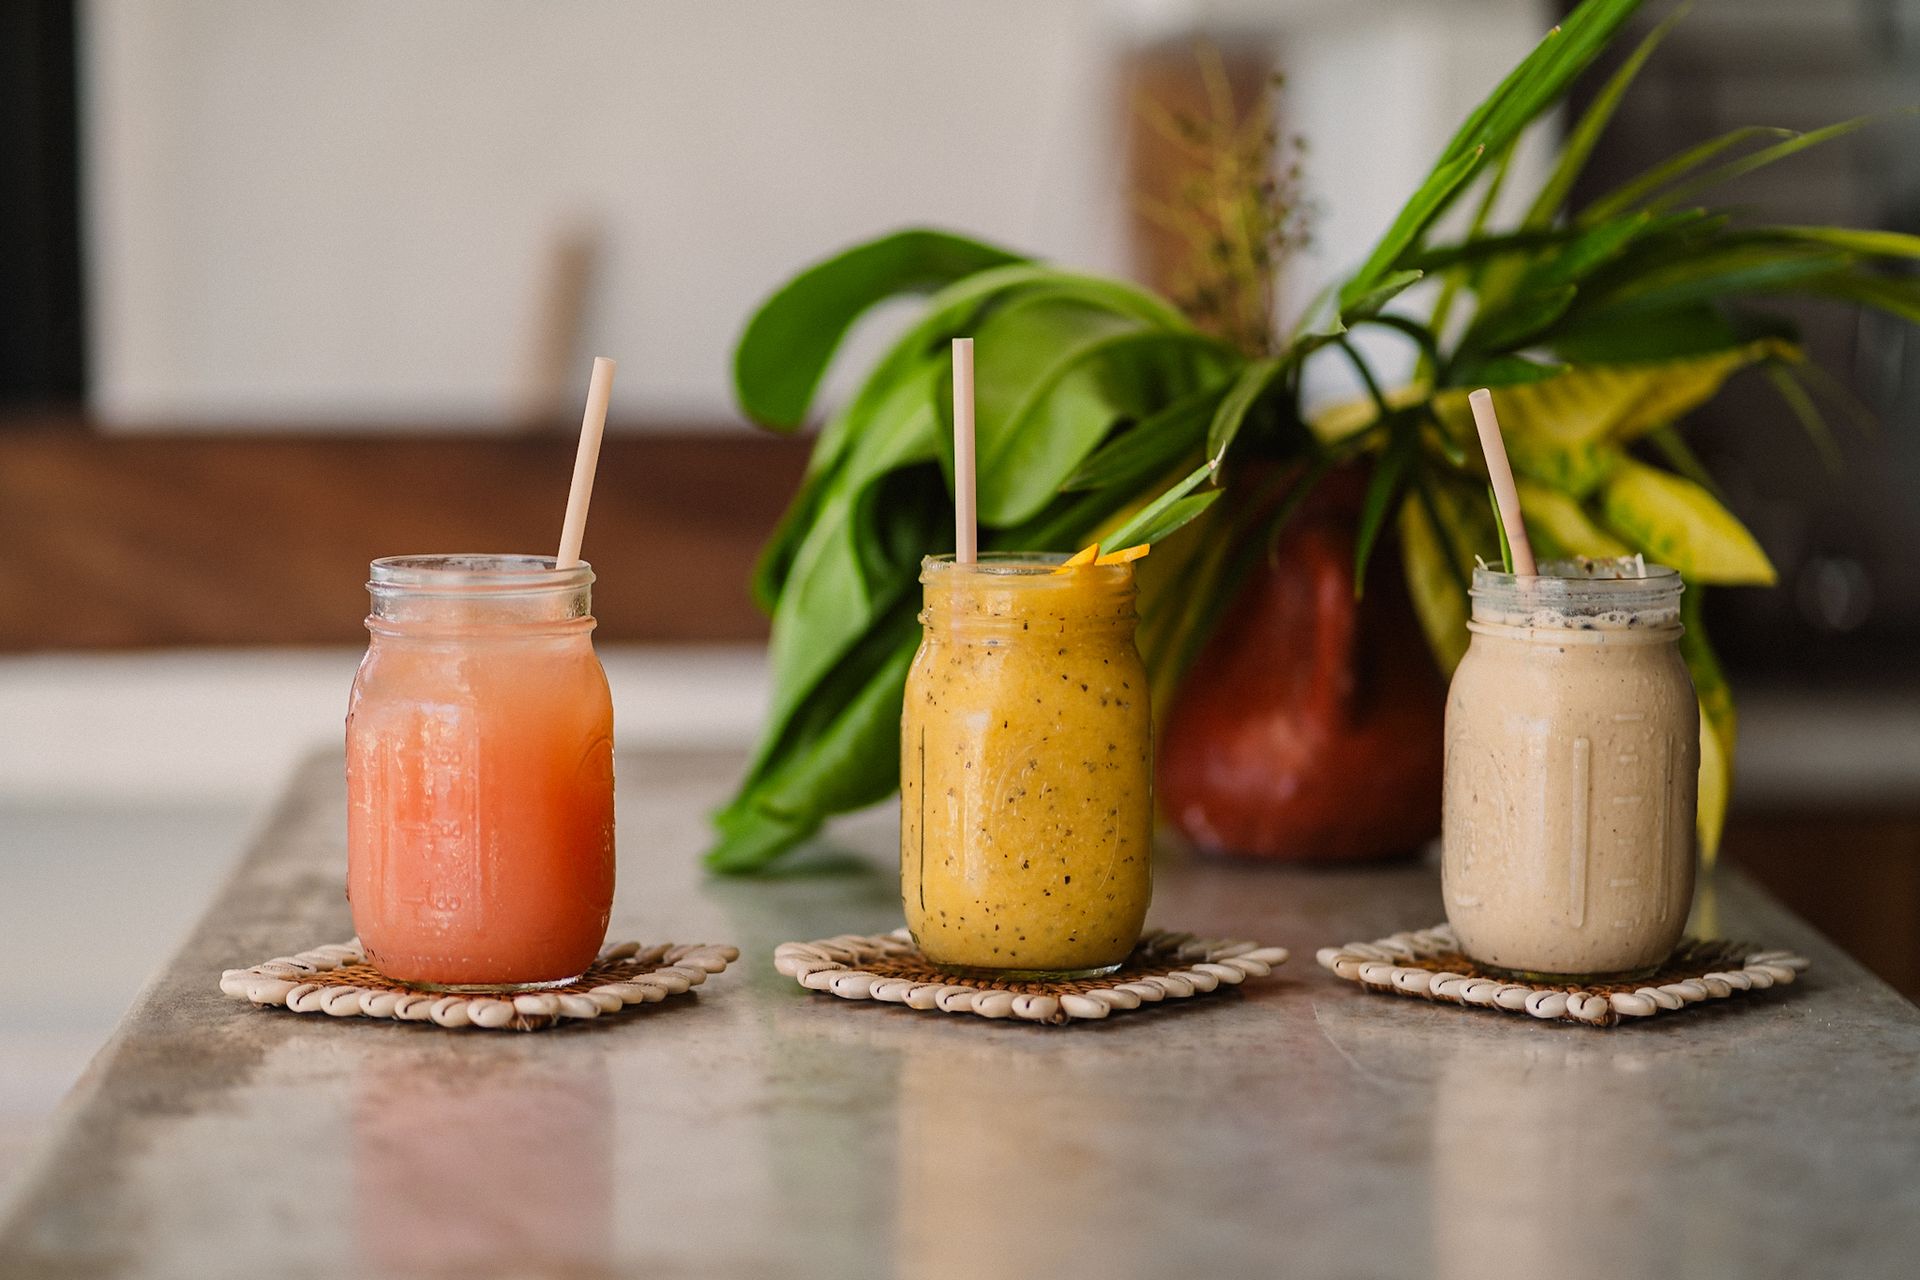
{"x": 1572, "y": 768}
{"x": 1026, "y": 795}
{"x": 480, "y": 774}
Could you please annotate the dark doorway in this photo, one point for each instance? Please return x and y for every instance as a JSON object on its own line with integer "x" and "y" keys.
{"x": 42, "y": 348}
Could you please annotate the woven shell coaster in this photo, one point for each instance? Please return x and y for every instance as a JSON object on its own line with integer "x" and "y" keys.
{"x": 1428, "y": 965}
{"x": 337, "y": 980}
{"x": 888, "y": 967}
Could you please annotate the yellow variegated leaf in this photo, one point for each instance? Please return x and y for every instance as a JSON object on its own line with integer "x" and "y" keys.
{"x": 1560, "y": 527}
{"x": 1716, "y": 783}
{"x": 1565, "y": 431}
{"x": 1678, "y": 523}
{"x": 1691, "y": 382}
{"x": 1719, "y": 727}
{"x": 1433, "y": 581}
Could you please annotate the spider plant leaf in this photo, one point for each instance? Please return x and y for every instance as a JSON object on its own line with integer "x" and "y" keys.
{"x": 1719, "y": 725}
{"x": 1714, "y": 276}
{"x": 1678, "y": 455}
{"x": 1560, "y": 527}
{"x": 1530, "y": 88}
{"x": 1183, "y": 589}
{"x": 1165, "y": 513}
{"x": 787, "y": 345}
{"x": 1506, "y": 542}
{"x": 1248, "y": 386}
{"x": 1421, "y": 335}
{"x": 1493, "y": 244}
{"x": 1584, "y": 251}
{"x": 1341, "y": 421}
{"x": 1893, "y": 295}
{"x": 1635, "y": 190}
{"x": 1692, "y": 189}
{"x": 1412, "y": 221}
{"x": 1150, "y": 446}
{"x": 1622, "y": 248}
{"x": 1369, "y": 303}
{"x": 1678, "y": 523}
{"x": 1840, "y": 395}
{"x": 1502, "y": 371}
{"x": 1514, "y": 323}
{"x": 1435, "y": 578}
{"x": 1384, "y": 488}
{"x": 1677, "y": 332}
{"x": 1541, "y": 77}
{"x": 1639, "y": 243}
{"x": 1867, "y": 243}
{"x": 1598, "y": 246}
{"x": 1320, "y": 318}
{"x": 1169, "y": 521}
{"x": 1806, "y": 412}
{"x": 1580, "y": 140}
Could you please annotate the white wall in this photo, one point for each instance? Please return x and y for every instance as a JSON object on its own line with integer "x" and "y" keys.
{"x": 342, "y": 211}
{"x": 348, "y": 212}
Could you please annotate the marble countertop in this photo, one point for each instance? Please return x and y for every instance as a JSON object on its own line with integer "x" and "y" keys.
{"x": 1296, "y": 1126}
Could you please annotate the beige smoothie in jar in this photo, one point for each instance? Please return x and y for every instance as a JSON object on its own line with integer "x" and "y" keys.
{"x": 1026, "y": 815}
{"x": 1572, "y": 759}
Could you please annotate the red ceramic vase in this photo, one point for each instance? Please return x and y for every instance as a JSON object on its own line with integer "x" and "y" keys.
{"x": 1309, "y": 728}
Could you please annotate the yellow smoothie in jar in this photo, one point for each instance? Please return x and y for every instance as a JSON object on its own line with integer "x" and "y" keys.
{"x": 1026, "y": 815}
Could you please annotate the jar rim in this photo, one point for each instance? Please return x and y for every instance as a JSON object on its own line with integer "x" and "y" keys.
{"x": 476, "y": 573}
{"x": 1583, "y": 575}
{"x": 1610, "y": 594}
{"x": 1017, "y": 566}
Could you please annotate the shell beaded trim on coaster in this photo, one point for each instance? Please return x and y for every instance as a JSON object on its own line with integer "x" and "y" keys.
{"x": 337, "y": 980}
{"x": 889, "y": 968}
{"x": 1427, "y": 964}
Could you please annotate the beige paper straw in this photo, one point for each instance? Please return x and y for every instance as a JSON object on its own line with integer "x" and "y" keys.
{"x": 966, "y": 529}
{"x": 1506, "y": 494}
{"x": 592, "y": 427}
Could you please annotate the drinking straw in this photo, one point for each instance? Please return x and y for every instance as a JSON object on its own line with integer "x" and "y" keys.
{"x": 966, "y": 534}
{"x": 1505, "y": 493}
{"x": 592, "y": 426}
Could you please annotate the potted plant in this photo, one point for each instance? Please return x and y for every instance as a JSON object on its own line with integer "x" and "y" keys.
{"x": 1101, "y": 405}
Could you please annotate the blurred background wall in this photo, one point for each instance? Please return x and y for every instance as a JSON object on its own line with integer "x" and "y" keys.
{"x": 362, "y": 215}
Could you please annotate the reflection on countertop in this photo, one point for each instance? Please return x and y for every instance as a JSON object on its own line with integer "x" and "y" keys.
{"x": 1294, "y": 1124}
